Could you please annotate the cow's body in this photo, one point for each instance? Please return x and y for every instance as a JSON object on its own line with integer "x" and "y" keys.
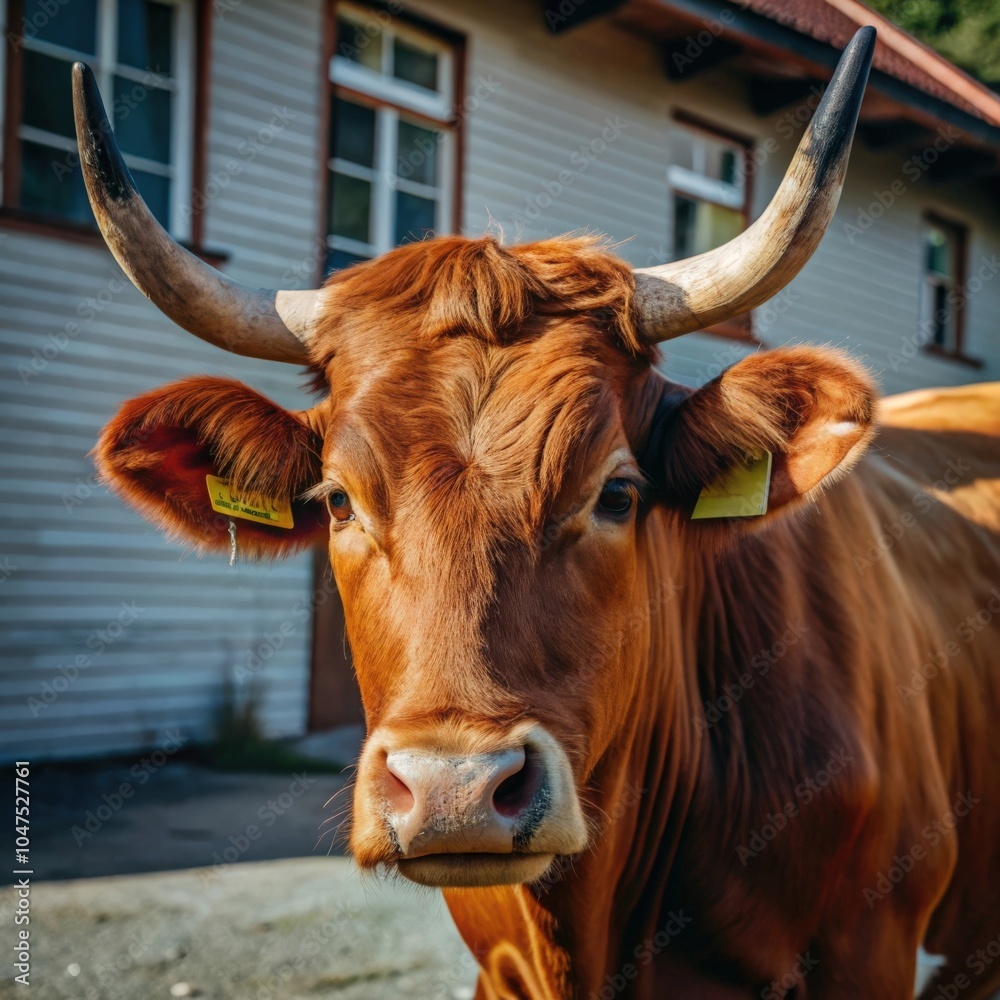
{"x": 645, "y": 755}
{"x": 870, "y": 630}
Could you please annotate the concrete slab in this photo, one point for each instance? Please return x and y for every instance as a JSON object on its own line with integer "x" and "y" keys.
{"x": 104, "y": 820}
{"x": 299, "y": 929}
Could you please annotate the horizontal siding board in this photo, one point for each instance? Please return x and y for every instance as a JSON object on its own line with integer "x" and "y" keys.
{"x": 78, "y": 551}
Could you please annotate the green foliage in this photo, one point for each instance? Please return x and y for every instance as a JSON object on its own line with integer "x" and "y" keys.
{"x": 965, "y": 31}
{"x": 239, "y": 743}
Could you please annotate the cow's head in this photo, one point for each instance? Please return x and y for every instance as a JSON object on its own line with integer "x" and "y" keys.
{"x": 493, "y": 442}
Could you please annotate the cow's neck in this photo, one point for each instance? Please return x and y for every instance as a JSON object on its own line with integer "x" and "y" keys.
{"x": 697, "y": 625}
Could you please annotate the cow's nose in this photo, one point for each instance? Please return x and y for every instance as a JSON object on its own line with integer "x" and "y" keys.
{"x": 440, "y": 804}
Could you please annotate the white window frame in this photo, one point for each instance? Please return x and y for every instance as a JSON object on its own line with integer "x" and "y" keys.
{"x": 930, "y": 280}
{"x": 695, "y": 183}
{"x": 106, "y": 67}
{"x": 391, "y": 100}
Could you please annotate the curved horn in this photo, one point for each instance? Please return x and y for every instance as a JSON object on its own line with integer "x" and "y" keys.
{"x": 255, "y": 322}
{"x": 688, "y": 295}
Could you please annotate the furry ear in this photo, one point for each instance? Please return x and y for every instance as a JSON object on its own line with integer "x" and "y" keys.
{"x": 813, "y": 409}
{"x": 160, "y": 447}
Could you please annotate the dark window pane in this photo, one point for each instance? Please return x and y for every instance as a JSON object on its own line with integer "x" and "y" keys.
{"x": 938, "y": 252}
{"x": 685, "y": 210}
{"x": 941, "y": 320}
{"x": 48, "y": 102}
{"x": 414, "y": 65}
{"x": 727, "y": 166}
{"x": 417, "y": 160}
{"x": 155, "y": 191}
{"x": 142, "y": 119}
{"x": 352, "y": 133}
{"x": 73, "y": 24}
{"x": 350, "y": 207}
{"x": 145, "y": 35}
{"x": 52, "y": 184}
{"x": 414, "y": 216}
{"x": 361, "y": 43}
{"x": 337, "y": 260}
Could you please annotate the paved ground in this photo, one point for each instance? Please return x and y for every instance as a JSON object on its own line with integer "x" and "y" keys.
{"x": 185, "y": 881}
{"x": 183, "y": 816}
{"x": 300, "y": 929}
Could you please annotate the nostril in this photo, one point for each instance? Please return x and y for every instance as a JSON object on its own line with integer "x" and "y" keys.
{"x": 515, "y": 793}
{"x": 397, "y": 792}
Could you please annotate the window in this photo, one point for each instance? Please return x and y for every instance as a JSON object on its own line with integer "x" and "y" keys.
{"x": 941, "y": 296}
{"x": 707, "y": 186}
{"x": 141, "y": 52}
{"x": 392, "y": 136}
{"x": 708, "y": 195}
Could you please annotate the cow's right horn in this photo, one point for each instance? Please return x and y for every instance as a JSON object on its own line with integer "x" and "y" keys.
{"x": 691, "y": 294}
{"x": 255, "y": 322}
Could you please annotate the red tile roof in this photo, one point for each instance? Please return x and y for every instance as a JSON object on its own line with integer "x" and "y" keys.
{"x": 897, "y": 54}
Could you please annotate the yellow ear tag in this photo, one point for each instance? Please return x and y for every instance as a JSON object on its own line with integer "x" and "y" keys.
{"x": 742, "y": 493}
{"x": 266, "y": 510}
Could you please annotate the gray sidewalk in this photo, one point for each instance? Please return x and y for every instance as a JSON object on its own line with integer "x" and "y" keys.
{"x": 122, "y": 818}
{"x": 186, "y": 881}
{"x": 300, "y": 929}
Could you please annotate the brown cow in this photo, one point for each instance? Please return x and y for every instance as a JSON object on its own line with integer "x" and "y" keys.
{"x": 645, "y": 755}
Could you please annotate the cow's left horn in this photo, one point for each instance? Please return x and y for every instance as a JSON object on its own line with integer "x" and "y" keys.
{"x": 687, "y": 295}
{"x": 255, "y": 322}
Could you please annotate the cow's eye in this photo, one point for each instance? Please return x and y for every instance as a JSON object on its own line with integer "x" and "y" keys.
{"x": 617, "y": 497}
{"x": 339, "y": 505}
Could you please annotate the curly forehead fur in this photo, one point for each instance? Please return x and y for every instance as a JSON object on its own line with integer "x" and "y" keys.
{"x": 469, "y": 367}
{"x": 477, "y": 287}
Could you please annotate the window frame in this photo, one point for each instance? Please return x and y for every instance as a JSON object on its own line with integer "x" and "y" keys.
{"x": 739, "y": 327}
{"x": 958, "y": 234}
{"x": 392, "y": 100}
{"x": 189, "y": 121}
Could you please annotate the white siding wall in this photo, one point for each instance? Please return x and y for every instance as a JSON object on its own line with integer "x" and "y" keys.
{"x": 70, "y": 554}
{"x": 556, "y": 94}
{"x": 78, "y": 552}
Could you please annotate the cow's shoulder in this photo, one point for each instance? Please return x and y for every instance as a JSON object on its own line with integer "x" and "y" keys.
{"x": 968, "y": 408}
